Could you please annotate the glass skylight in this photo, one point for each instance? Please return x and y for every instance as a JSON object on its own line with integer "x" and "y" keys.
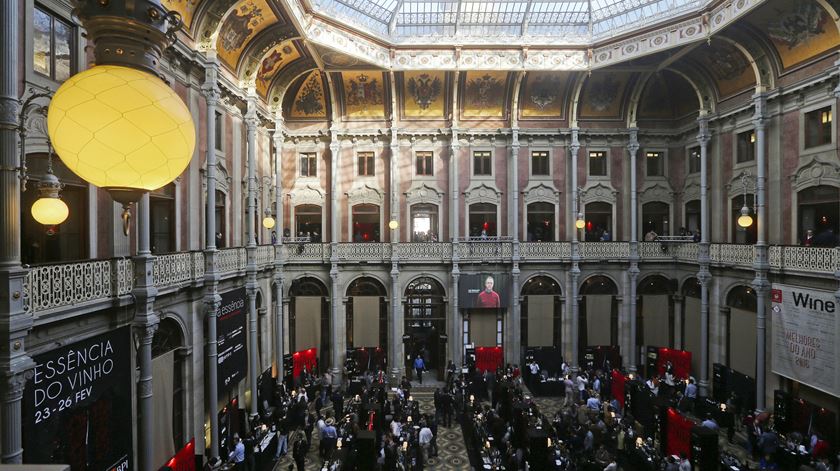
{"x": 569, "y": 21}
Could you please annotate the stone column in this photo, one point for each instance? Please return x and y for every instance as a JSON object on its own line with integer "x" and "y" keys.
{"x": 212, "y": 94}
{"x": 14, "y": 363}
{"x": 761, "y": 265}
{"x": 574, "y": 272}
{"x": 335, "y": 304}
{"x": 633, "y": 271}
{"x": 457, "y": 334}
{"x": 145, "y": 324}
{"x": 704, "y": 275}
{"x": 513, "y": 334}
{"x": 279, "y": 255}
{"x": 396, "y": 353}
{"x": 251, "y": 122}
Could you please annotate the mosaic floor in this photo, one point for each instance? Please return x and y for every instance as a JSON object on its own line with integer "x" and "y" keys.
{"x": 452, "y": 454}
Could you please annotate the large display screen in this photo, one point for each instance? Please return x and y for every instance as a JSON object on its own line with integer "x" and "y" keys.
{"x": 483, "y": 291}
{"x": 77, "y": 405}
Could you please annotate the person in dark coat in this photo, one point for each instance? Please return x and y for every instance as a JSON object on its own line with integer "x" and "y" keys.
{"x": 299, "y": 453}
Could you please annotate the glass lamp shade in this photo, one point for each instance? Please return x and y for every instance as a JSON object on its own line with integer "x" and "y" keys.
{"x": 268, "y": 222}
{"x": 745, "y": 220}
{"x": 121, "y": 129}
{"x": 580, "y": 223}
{"x": 50, "y": 211}
{"x": 393, "y": 225}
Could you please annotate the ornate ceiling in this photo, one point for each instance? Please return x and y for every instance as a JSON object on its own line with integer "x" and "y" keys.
{"x": 323, "y": 58}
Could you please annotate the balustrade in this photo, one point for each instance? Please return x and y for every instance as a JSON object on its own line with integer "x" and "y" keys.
{"x": 48, "y": 287}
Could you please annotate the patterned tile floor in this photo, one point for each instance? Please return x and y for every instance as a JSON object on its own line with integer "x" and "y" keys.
{"x": 452, "y": 453}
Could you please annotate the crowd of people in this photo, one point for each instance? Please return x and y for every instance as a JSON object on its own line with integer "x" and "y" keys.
{"x": 373, "y": 426}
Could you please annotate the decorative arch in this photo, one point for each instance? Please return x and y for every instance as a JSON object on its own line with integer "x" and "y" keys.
{"x": 423, "y": 194}
{"x": 309, "y": 316}
{"x": 656, "y": 283}
{"x": 366, "y": 311}
{"x": 542, "y": 283}
{"x": 599, "y": 284}
{"x": 439, "y": 286}
{"x": 365, "y": 194}
{"x": 598, "y": 192}
{"x": 817, "y": 172}
{"x": 482, "y": 193}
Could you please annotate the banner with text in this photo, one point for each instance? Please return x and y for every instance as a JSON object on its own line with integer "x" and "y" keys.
{"x": 77, "y": 405}
{"x": 805, "y": 330}
{"x": 230, "y": 331}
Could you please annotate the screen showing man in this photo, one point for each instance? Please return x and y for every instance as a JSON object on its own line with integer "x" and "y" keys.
{"x": 483, "y": 290}
{"x": 488, "y": 297}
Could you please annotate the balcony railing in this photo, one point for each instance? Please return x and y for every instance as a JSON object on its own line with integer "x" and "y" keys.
{"x": 52, "y": 286}
{"x": 48, "y": 287}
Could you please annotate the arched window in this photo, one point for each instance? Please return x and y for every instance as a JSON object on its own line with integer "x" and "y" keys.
{"x": 743, "y": 235}
{"x": 741, "y": 334}
{"x": 308, "y": 222}
{"x": 540, "y": 225}
{"x": 541, "y": 310}
{"x": 598, "y": 222}
{"x": 62, "y": 243}
{"x": 692, "y": 216}
{"x": 366, "y": 223}
{"x": 424, "y": 223}
{"x": 598, "y": 312}
{"x": 309, "y": 321}
{"x": 221, "y": 212}
{"x": 654, "y": 312}
{"x": 168, "y": 394}
{"x": 367, "y": 314}
{"x": 483, "y": 220}
{"x": 162, "y": 219}
{"x": 818, "y": 209}
{"x": 691, "y": 325}
{"x": 425, "y": 323}
{"x": 655, "y": 218}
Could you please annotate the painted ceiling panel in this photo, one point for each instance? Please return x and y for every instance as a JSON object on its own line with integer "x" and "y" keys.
{"x": 245, "y": 21}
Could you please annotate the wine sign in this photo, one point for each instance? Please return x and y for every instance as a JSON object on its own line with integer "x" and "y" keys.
{"x": 77, "y": 404}
{"x": 805, "y": 328}
{"x": 230, "y": 331}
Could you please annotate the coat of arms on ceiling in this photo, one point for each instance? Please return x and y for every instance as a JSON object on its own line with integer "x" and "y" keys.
{"x": 725, "y": 61}
{"x": 239, "y": 26}
{"x": 795, "y": 27}
{"x": 310, "y": 98}
{"x": 603, "y": 92}
{"x": 272, "y": 60}
{"x": 364, "y": 94}
{"x": 483, "y": 90}
{"x": 544, "y": 91}
{"x": 424, "y": 90}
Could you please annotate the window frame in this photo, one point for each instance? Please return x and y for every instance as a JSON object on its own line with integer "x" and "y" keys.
{"x": 606, "y": 153}
{"x": 688, "y": 157}
{"x": 548, "y": 162}
{"x": 737, "y": 143}
{"x": 59, "y": 10}
{"x": 431, "y": 163}
{"x": 804, "y": 112}
{"x": 314, "y": 156}
{"x": 663, "y": 155}
{"x": 473, "y": 153}
{"x": 370, "y": 163}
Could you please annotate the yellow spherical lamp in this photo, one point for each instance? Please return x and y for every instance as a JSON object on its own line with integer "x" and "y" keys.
{"x": 49, "y": 209}
{"x": 580, "y": 223}
{"x": 268, "y": 222}
{"x": 393, "y": 225}
{"x": 745, "y": 220}
{"x": 121, "y": 129}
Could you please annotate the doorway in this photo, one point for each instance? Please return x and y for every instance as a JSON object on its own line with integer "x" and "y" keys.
{"x": 425, "y": 326}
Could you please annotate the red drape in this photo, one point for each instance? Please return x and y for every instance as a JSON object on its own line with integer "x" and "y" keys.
{"x": 679, "y": 358}
{"x": 618, "y": 380}
{"x": 303, "y": 358}
{"x": 184, "y": 460}
{"x": 679, "y": 434}
{"x": 488, "y": 358}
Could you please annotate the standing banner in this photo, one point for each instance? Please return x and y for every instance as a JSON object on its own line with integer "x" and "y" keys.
{"x": 679, "y": 434}
{"x": 230, "y": 329}
{"x": 77, "y": 405}
{"x": 805, "y": 330}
